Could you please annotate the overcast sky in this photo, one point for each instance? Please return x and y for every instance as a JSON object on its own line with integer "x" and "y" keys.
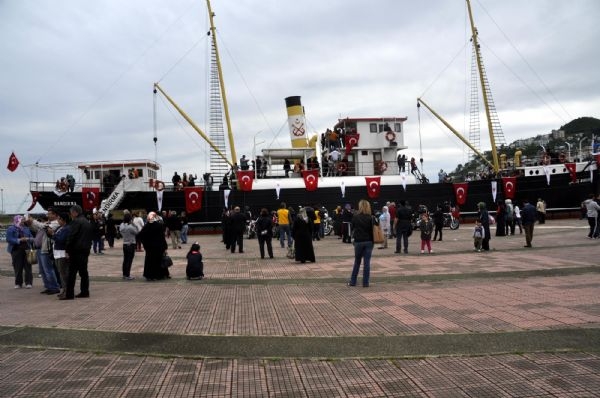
{"x": 76, "y": 76}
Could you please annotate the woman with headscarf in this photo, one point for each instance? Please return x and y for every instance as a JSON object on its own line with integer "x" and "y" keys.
{"x": 301, "y": 232}
{"x": 19, "y": 237}
{"x": 384, "y": 224}
{"x": 152, "y": 237}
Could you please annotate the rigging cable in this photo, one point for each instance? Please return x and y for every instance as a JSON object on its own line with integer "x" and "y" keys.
{"x": 530, "y": 68}
{"x": 420, "y": 142}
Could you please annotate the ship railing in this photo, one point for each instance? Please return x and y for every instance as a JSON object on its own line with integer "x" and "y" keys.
{"x": 41, "y": 186}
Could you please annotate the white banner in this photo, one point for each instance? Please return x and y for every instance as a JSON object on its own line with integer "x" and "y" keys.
{"x": 226, "y": 193}
{"x": 403, "y": 179}
{"x": 159, "y": 198}
{"x": 277, "y": 189}
{"x": 494, "y": 190}
{"x": 547, "y": 172}
{"x": 343, "y": 188}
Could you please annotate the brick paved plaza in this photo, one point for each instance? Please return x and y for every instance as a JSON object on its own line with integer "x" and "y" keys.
{"x": 513, "y": 322}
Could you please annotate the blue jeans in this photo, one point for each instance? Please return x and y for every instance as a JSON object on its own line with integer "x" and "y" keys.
{"x": 47, "y": 271}
{"x": 283, "y": 230}
{"x": 184, "y": 233}
{"x": 98, "y": 245}
{"x": 362, "y": 251}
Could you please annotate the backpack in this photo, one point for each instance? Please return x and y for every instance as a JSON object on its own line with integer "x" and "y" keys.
{"x": 478, "y": 232}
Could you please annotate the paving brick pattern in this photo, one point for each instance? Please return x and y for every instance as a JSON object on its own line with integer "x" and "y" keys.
{"x": 474, "y": 293}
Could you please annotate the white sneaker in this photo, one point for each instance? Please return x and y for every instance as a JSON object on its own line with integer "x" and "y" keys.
{"x": 430, "y": 251}
{"x": 422, "y": 251}
{"x": 18, "y": 286}
{"x": 28, "y": 286}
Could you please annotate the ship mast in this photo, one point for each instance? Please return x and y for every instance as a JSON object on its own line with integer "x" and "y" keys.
{"x": 221, "y": 82}
{"x": 482, "y": 81}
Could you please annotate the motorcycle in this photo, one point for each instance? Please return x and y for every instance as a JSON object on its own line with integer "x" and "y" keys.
{"x": 450, "y": 221}
{"x": 251, "y": 229}
{"x": 327, "y": 222}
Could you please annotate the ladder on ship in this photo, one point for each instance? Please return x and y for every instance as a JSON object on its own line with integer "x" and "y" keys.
{"x": 116, "y": 196}
{"x": 218, "y": 166}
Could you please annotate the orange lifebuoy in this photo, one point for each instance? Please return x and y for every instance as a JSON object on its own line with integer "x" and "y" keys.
{"x": 390, "y": 136}
{"x": 382, "y": 166}
{"x": 562, "y": 158}
{"x": 342, "y": 166}
{"x": 545, "y": 159}
{"x": 159, "y": 185}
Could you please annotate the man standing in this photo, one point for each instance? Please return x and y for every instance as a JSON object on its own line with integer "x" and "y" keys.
{"x": 541, "y": 211}
{"x": 78, "y": 246}
{"x": 173, "y": 223}
{"x": 528, "y": 220}
{"x": 44, "y": 231}
{"x": 283, "y": 219}
{"x": 402, "y": 226}
{"x": 138, "y": 223}
{"x": 238, "y": 225}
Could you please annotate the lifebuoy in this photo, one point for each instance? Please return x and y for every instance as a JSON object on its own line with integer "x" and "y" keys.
{"x": 390, "y": 136}
{"x": 562, "y": 158}
{"x": 342, "y": 166}
{"x": 545, "y": 159}
{"x": 382, "y": 166}
{"x": 159, "y": 185}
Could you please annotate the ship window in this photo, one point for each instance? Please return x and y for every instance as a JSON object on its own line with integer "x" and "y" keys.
{"x": 398, "y": 127}
{"x": 140, "y": 172}
{"x": 373, "y": 127}
{"x": 97, "y": 175}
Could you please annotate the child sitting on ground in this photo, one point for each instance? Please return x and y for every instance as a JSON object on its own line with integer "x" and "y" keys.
{"x": 195, "y": 266}
{"x": 478, "y": 235}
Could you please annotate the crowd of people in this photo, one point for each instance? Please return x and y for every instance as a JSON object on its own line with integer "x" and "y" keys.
{"x": 63, "y": 242}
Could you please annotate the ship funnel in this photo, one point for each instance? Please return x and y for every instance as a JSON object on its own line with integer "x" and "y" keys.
{"x": 296, "y": 122}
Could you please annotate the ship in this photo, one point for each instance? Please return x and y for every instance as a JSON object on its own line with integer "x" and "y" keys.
{"x": 358, "y": 158}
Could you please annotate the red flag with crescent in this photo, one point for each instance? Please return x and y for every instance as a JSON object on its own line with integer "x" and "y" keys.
{"x": 13, "y": 162}
{"x": 509, "y": 186}
{"x": 373, "y": 186}
{"x": 350, "y": 141}
{"x": 193, "y": 199}
{"x": 572, "y": 167}
{"x": 311, "y": 179}
{"x": 90, "y": 198}
{"x": 245, "y": 179}
{"x": 460, "y": 191}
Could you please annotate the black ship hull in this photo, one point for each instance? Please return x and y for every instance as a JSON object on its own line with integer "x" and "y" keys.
{"x": 560, "y": 194}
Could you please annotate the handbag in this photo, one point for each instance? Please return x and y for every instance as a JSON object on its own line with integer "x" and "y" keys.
{"x": 31, "y": 255}
{"x": 166, "y": 261}
{"x": 377, "y": 234}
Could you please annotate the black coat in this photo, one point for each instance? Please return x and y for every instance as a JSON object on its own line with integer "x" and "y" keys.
{"x": 303, "y": 241}
{"x": 238, "y": 223}
{"x": 152, "y": 237}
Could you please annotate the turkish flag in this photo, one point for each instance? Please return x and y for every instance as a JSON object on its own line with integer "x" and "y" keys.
{"x": 572, "y": 167}
{"x": 245, "y": 179}
{"x": 311, "y": 179}
{"x": 460, "y": 191}
{"x": 350, "y": 141}
{"x": 373, "y": 186}
{"x": 509, "y": 186}
{"x": 193, "y": 199}
{"x": 13, "y": 162}
{"x": 90, "y": 198}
